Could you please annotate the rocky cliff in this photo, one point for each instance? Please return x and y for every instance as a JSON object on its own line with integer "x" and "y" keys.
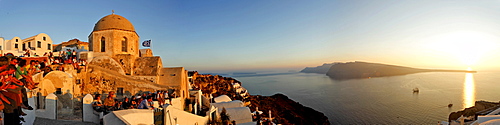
{"x": 284, "y": 110}
{"x": 215, "y": 85}
{"x": 479, "y": 108}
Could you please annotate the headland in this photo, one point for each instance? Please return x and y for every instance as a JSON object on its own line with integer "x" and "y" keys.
{"x": 357, "y": 69}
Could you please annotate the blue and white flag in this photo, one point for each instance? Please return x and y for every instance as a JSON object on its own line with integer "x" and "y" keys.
{"x": 146, "y": 43}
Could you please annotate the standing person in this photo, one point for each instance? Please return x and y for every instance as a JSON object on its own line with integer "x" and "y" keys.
{"x": 21, "y": 73}
{"x": 161, "y": 99}
{"x": 27, "y": 52}
{"x": 68, "y": 54}
{"x": 61, "y": 55}
{"x": 74, "y": 54}
{"x": 12, "y": 92}
{"x": 51, "y": 57}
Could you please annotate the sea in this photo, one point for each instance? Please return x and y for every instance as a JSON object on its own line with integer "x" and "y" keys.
{"x": 382, "y": 100}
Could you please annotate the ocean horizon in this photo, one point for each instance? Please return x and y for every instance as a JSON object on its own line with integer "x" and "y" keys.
{"x": 382, "y": 100}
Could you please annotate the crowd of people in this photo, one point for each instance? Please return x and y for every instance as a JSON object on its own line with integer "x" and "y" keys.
{"x": 67, "y": 56}
{"x": 139, "y": 101}
{"x": 15, "y": 79}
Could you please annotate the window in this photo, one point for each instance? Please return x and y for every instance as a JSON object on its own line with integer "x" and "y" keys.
{"x": 0, "y": 47}
{"x": 172, "y": 74}
{"x": 58, "y": 91}
{"x": 39, "y": 44}
{"x": 119, "y": 91}
{"x": 124, "y": 44}
{"x": 44, "y": 39}
{"x": 17, "y": 40}
{"x": 29, "y": 44}
{"x": 49, "y": 46}
{"x": 103, "y": 44}
{"x": 16, "y": 46}
{"x": 24, "y": 46}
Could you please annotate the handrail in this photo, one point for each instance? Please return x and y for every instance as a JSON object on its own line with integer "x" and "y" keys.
{"x": 170, "y": 118}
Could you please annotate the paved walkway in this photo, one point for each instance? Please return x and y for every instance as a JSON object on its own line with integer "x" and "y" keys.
{"x": 44, "y": 121}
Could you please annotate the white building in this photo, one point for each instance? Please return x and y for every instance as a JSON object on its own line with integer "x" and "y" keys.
{"x": 36, "y": 45}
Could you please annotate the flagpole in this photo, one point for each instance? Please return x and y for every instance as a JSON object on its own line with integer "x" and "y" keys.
{"x": 150, "y": 46}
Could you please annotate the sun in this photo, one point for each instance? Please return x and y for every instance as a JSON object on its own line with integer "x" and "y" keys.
{"x": 465, "y": 46}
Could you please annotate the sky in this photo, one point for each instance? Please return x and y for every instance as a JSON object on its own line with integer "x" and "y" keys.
{"x": 244, "y": 35}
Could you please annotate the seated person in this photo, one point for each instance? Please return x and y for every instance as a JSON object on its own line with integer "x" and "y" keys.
{"x": 145, "y": 104}
{"x": 97, "y": 103}
{"x": 109, "y": 102}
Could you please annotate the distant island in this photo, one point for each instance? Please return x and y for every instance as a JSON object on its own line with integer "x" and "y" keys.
{"x": 357, "y": 69}
{"x": 323, "y": 69}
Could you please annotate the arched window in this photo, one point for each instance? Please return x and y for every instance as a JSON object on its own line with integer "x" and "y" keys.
{"x": 103, "y": 44}
{"x": 124, "y": 44}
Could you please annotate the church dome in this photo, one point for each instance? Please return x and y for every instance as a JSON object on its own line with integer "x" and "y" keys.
{"x": 114, "y": 21}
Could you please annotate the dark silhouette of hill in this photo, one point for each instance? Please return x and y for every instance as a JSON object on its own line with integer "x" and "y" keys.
{"x": 354, "y": 70}
{"x": 323, "y": 69}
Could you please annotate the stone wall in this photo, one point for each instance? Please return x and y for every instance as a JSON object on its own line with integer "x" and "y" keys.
{"x": 147, "y": 66}
{"x": 126, "y": 61}
{"x": 113, "y": 42}
{"x": 172, "y": 76}
{"x": 177, "y": 77}
{"x": 145, "y": 53}
{"x": 101, "y": 80}
{"x": 106, "y": 63}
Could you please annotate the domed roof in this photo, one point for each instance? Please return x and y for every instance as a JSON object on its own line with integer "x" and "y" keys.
{"x": 114, "y": 21}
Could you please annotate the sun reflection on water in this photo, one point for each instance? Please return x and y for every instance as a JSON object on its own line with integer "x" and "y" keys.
{"x": 469, "y": 91}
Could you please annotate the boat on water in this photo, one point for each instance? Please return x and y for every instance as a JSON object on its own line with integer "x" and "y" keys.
{"x": 416, "y": 90}
{"x": 450, "y": 105}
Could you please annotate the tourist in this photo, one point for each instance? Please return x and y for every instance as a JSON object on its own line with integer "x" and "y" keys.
{"x": 127, "y": 104}
{"x": 74, "y": 54}
{"x": 27, "y": 53}
{"x": 160, "y": 98}
{"x": 32, "y": 67}
{"x": 173, "y": 95}
{"x": 145, "y": 103}
{"x": 75, "y": 63}
{"x": 165, "y": 96}
{"x": 97, "y": 103}
{"x": 51, "y": 57}
{"x": 68, "y": 54}
{"x": 21, "y": 75}
{"x": 144, "y": 95}
{"x": 56, "y": 61}
{"x": 109, "y": 102}
{"x": 133, "y": 102}
{"x": 119, "y": 105}
{"x": 11, "y": 90}
{"x": 62, "y": 56}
